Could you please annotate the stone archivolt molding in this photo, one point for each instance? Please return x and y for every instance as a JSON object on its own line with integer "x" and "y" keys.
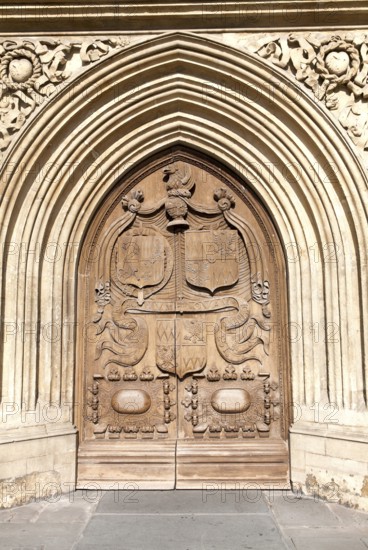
{"x": 334, "y": 68}
{"x": 31, "y": 71}
{"x": 51, "y": 194}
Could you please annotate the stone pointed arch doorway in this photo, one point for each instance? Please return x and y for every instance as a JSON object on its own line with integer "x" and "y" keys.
{"x": 182, "y": 350}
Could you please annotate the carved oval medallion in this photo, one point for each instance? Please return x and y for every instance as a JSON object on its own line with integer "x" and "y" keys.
{"x": 131, "y": 401}
{"x": 230, "y": 400}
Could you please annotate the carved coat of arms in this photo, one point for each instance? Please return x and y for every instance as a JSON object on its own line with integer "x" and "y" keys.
{"x": 181, "y": 346}
{"x": 140, "y": 260}
{"x": 211, "y": 258}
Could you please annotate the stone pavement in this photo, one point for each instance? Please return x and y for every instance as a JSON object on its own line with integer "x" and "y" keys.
{"x": 182, "y": 520}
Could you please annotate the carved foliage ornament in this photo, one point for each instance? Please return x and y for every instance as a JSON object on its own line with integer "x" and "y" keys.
{"x": 335, "y": 68}
{"x": 32, "y": 71}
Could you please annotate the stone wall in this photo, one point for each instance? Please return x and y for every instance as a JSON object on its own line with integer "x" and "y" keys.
{"x": 286, "y": 112}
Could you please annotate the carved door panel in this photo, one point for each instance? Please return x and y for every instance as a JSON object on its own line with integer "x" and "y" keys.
{"x": 184, "y": 360}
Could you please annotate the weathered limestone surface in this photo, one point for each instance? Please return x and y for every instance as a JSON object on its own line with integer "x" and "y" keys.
{"x": 82, "y": 105}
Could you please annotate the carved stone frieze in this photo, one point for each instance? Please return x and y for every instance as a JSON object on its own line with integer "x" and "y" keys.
{"x": 32, "y": 71}
{"x": 333, "y": 67}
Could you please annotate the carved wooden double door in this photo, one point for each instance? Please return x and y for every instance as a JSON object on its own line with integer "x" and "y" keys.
{"x": 181, "y": 343}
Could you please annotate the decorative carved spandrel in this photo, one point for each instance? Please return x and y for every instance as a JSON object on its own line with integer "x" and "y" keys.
{"x": 32, "y": 71}
{"x": 334, "y": 68}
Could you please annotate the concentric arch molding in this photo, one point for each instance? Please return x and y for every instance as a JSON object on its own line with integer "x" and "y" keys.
{"x": 332, "y": 68}
{"x": 181, "y": 89}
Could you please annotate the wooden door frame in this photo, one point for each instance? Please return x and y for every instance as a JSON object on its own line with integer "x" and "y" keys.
{"x": 240, "y": 186}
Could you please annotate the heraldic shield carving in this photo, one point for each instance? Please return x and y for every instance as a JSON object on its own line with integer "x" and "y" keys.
{"x": 140, "y": 260}
{"x": 182, "y": 348}
{"x": 211, "y": 258}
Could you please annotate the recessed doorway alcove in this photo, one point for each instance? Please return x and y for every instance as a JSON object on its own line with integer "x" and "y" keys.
{"x": 183, "y": 359}
{"x": 238, "y": 126}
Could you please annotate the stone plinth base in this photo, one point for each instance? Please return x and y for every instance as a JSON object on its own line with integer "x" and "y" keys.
{"x": 36, "y": 464}
{"x": 330, "y": 463}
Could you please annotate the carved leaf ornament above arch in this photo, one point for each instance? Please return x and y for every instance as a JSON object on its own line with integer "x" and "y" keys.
{"x": 334, "y": 67}
{"x": 31, "y": 71}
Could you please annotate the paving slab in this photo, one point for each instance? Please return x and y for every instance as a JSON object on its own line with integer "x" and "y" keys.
{"x": 46, "y": 536}
{"x": 20, "y": 514}
{"x": 185, "y": 502}
{"x": 183, "y": 520}
{"x": 65, "y": 511}
{"x": 356, "y": 519}
{"x": 327, "y": 542}
{"x": 182, "y": 532}
{"x": 300, "y": 512}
